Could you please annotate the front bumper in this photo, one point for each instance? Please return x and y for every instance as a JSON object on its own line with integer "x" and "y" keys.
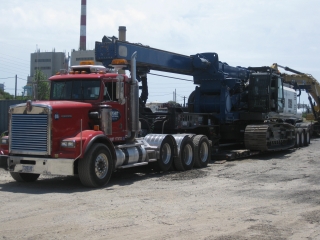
{"x": 47, "y": 166}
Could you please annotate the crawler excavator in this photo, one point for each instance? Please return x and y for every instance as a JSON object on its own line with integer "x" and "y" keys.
{"x": 305, "y": 82}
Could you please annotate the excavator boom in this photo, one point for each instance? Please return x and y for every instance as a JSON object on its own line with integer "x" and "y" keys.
{"x": 304, "y": 81}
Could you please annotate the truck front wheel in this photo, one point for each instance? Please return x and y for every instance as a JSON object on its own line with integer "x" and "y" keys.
{"x": 24, "y": 177}
{"x": 96, "y": 167}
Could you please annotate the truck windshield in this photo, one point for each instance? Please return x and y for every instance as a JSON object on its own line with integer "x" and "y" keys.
{"x": 76, "y": 89}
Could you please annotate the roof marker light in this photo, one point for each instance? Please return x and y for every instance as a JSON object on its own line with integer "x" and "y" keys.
{"x": 89, "y": 62}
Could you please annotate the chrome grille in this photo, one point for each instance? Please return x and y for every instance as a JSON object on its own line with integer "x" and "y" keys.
{"x": 29, "y": 134}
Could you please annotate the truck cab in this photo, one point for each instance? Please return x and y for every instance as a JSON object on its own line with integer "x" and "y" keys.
{"x": 97, "y": 86}
{"x": 47, "y": 137}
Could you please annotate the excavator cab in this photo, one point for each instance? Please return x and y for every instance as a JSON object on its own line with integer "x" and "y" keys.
{"x": 265, "y": 92}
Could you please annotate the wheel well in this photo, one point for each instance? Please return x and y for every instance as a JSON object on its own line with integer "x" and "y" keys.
{"x": 102, "y": 140}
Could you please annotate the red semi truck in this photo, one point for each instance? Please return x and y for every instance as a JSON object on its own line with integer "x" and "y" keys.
{"x": 90, "y": 127}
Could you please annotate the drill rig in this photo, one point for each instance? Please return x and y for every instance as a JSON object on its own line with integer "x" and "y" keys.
{"x": 230, "y": 105}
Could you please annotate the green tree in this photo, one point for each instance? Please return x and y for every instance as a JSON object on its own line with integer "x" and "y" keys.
{"x": 5, "y": 95}
{"x": 173, "y": 104}
{"x": 42, "y": 86}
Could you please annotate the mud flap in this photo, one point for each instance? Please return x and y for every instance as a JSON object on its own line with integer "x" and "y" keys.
{"x": 4, "y": 162}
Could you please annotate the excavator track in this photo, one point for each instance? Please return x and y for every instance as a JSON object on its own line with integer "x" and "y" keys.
{"x": 269, "y": 137}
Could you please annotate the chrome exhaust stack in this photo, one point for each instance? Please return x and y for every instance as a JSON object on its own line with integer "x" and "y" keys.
{"x": 134, "y": 126}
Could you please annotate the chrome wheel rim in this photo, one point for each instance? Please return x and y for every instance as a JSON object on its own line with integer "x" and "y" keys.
{"x": 187, "y": 154}
{"x": 166, "y": 153}
{"x": 204, "y": 152}
{"x": 101, "y": 166}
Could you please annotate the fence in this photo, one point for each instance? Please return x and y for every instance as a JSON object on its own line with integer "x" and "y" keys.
{"x": 4, "y": 115}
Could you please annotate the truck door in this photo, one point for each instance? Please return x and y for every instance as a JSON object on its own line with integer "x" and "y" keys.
{"x": 118, "y": 110}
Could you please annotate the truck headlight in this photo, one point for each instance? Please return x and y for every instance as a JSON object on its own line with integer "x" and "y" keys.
{"x": 5, "y": 141}
{"x": 68, "y": 144}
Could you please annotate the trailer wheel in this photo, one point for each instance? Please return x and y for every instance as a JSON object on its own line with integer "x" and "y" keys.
{"x": 185, "y": 160}
{"x": 166, "y": 155}
{"x": 307, "y": 138}
{"x": 24, "y": 177}
{"x": 96, "y": 167}
{"x": 302, "y": 140}
{"x": 297, "y": 144}
{"x": 202, "y": 151}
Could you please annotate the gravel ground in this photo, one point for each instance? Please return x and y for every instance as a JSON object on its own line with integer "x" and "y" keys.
{"x": 271, "y": 196}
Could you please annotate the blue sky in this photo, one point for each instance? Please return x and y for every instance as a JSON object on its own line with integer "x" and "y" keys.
{"x": 243, "y": 33}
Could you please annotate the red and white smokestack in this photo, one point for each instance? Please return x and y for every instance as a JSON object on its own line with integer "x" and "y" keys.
{"x": 83, "y": 24}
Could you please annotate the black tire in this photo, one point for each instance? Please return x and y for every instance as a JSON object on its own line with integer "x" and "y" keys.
{"x": 297, "y": 144}
{"x": 307, "y": 138}
{"x": 202, "y": 151}
{"x": 24, "y": 177}
{"x": 96, "y": 168}
{"x": 185, "y": 160}
{"x": 302, "y": 140}
{"x": 166, "y": 155}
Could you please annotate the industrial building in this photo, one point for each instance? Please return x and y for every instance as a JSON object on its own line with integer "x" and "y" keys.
{"x": 48, "y": 62}
{"x": 82, "y": 55}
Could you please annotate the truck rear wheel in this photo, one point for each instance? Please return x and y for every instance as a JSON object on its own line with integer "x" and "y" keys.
{"x": 166, "y": 155}
{"x": 96, "y": 167}
{"x": 24, "y": 177}
{"x": 297, "y": 144}
{"x": 302, "y": 140}
{"x": 202, "y": 151}
{"x": 185, "y": 160}
{"x": 307, "y": 138}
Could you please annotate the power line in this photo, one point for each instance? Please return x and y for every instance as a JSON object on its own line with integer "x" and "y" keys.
{"x": 14, "y": 71}
{"x": 15, "y": 62}
{"x": 14, "y": 66}
{"x": 161, "y": 95}
{"x": 6, "y": 77}
{"x": 171, "y": 77}
{"x": 19, "y": 59}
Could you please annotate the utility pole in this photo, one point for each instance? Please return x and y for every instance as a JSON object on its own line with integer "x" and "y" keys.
{"x": 184, "y": 101}
{"x": 15, "y": 89}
